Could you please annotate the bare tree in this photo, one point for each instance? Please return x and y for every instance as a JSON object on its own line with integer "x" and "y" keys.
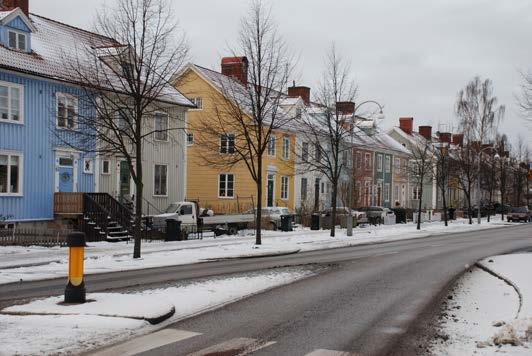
{"x": 420, "y": 169}
{"x": 247, "y": 113}
{"x": 502, "y": 147}
{"x": 442, "y": 162}
{"x": 328, "y": 128}
{"x": 479, "y": 115}
{"x": 124, "y": 74}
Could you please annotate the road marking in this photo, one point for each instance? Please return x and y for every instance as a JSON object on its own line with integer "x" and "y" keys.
{"x": 437, "y": 245}
{"x": 234, "y": 347}
{"x": 324, "y": 352}
{"x": 385, "y": 254}
{"x": 147, "y": 342}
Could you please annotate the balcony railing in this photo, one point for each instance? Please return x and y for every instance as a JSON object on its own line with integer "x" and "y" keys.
{"x": 68, "y": 203}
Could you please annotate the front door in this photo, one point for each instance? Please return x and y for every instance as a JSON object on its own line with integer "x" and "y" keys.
{"x": 124, "y": 181}
{"x": 66, "y": 175}
{"x": 270, "y": 190}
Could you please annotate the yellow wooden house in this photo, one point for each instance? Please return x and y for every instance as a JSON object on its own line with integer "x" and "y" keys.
{"x": 212, "y": 178}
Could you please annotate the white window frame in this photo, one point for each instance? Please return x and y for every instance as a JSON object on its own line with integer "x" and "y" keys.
{"x": 108, "y": 167}
{"x": 67, "y": 97}
{"x": 20, "y": 88}
{"x": 379, "y": 163}
{"x": 225, "y": 188}
{"x": 304, "y": 151}
{"x": 397, "y": 163}
{"x": 387, "y": 164}
{"x": 190, "y": 141}
{"x": 20, "y": 156}
{"x": 386, "y": 192}
{"x": 90, "y": 161}
{"x": 286, "y": 148}
{"x": 17, "y": 40}
{"x": 155, "y": 180}
{"x": 228, "y": 139}
{"x": 163, "y": 132}
{"x": 367, "y": 160}
{"x": 416, "y": 191}
{"x": 272, "y": 142}
{"x": 304, "y": 188}
{"x": 195, "y": 101}
{"x": 285, "y": 181}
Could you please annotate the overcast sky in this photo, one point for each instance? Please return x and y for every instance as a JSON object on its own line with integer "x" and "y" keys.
{"x": 410, "y": 55}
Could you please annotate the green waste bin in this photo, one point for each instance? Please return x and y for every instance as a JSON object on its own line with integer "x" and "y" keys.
{"x": 173, "y": 230}
{"x": 286, "y": 223}
{"x": 315, "y": 222}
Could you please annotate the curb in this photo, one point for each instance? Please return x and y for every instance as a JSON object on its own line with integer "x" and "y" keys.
{"x": 242, "y": 257}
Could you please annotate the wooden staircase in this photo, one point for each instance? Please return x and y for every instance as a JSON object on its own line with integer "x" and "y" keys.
{"x": 106, "y": 219}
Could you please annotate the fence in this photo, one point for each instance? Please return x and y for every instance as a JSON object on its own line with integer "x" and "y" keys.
{"x": 28, "y": 237}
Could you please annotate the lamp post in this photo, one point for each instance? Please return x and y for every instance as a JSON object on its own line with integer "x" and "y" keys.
{"x": 502, "y": 160}
{"x": 351, "y": 173}
{"x": 480, "y": 150}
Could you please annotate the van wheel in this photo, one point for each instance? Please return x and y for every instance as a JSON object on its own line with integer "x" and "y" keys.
{"x": 273, "y": 226}
{"x": 233, "y": 230}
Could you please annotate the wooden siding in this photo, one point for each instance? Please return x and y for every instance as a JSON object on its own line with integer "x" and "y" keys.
{"x": 68, "y": 203}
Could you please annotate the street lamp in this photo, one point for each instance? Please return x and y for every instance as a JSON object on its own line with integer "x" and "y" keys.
{"x": 480, "y": 150}
{"x": 380, "y": 116}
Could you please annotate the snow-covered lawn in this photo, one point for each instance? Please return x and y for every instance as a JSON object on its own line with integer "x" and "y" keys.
{"x": 490, "y": 312}
{"x": 34, "y": 263}
{"x": 54, "y": 334}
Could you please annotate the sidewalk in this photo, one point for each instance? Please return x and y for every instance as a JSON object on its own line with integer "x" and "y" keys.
{"x": 35, "y": 263}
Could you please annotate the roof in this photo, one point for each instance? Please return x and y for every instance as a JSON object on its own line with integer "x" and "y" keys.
{"x": 51, "y": 42}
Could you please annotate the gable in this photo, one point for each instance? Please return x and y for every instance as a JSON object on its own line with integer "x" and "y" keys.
{"x": 18, "y": 24}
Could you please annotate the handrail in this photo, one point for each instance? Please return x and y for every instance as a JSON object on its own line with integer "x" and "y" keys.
{"x": 115, "y": 210}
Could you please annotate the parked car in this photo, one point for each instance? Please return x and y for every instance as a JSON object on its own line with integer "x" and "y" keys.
{"x": 519, "y": 214}
{"x": 360, "y": 216}
{"x": 273, "y": 214}
{"x": 376, "y": 214}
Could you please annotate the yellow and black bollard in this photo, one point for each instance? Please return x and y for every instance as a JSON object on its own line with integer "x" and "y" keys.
{"x": 75, "y": 288}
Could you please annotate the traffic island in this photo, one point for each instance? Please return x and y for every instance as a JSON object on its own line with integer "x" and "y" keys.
{"x": 151, "y": 309}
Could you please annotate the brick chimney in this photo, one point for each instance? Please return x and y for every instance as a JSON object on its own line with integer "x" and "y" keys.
{"x": 299, "y": 92}
{"x": 7, "y": 5}
{"x": 345, "y": 107}
{"x": 406, "y": 124}
{"x": 426, "y": 131}
{"x": 445, "y": 137}
{"x": 236, "y": 68}
{"x": 458, "y": 139}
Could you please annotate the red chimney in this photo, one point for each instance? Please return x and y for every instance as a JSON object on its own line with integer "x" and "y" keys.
{"x": 445, "y": 137}
{"x": 458, "y": 139}
{"x": 406, "y": 124}
{"x": 300, "y": 92}
{"x": 345, "y": 107}
{"x": 426, "y": 131}
{"x": 236, "y": 68}
{"x": 7, "y": 5}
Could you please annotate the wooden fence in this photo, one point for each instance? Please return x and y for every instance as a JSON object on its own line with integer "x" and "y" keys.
{"x": 28, "y": 237}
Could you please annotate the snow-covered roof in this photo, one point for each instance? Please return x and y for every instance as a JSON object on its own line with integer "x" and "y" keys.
{"x": 4, "y": 14}
{"x": 54, "y": 43}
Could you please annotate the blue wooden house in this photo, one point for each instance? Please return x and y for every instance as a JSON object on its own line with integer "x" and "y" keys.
{"x": 36, "y": 105}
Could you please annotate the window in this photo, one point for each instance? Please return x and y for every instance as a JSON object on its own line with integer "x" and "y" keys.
{"x": 284, "y": 187}
{"x": 190, "y": 138}
{"x": 317, "y": 152}
{"x": 298, "y": 113}
{"x": 344, "y": 158}
{"x": 227, "y": 143}
{"x": 359, "y": 159}
{"x": 367, "y": 160}
{"x": 160, "y": 184}
{"x": 387, "y": 164}
{"x": 303, "y": 189}
{"x": 17, "y": 40}
{"x": 396, "y": 193}
{"x": 106, "y": 167}
{"x": 416, "y": 193}
{"x": 322, "y": 187}
{"x": 271, "y": 145}
{"x": 67, "y": 108}
{"x": 397, "y": 164}
{"x": 198, "y": 102}
{"x": 87, "y": 165}
{"x": 11, "y": 103}
{"x": 379, "y": 163}
{"x": 304, "y": 151}
{"x": 226, "y": 186}
{"x": 161, "y": 127}
{"x": 387, "y": 192}
{"x": 10, "y": 173}
{"x": 286, "y": 147}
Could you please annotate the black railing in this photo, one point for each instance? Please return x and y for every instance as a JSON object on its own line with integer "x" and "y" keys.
{"x": 102, "y": 208}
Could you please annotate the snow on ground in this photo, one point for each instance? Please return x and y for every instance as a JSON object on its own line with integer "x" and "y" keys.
{"x": 54, "y": 334}
{"x": 486, "y": 315}
{"x": 35, "y": 263}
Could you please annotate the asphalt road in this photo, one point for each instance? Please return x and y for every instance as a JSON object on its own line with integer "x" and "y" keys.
{"x": 370, "y": 300}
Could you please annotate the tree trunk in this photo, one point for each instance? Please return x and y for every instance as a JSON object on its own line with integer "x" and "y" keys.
{"x": 469, "y": 210}
{"x": 258, "y": 218}
{"x": 333, "y": 206}
{"x": 444, "y": 201}
{"x": 139, "y": 191}
{"x": 419, "y": 207}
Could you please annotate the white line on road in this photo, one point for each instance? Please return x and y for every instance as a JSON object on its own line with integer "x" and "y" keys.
{"x": 385, "y": 254}
{"x": 324, "y": 352}
{"x": 238, "y": 346}
{"x": 147, "y": 342}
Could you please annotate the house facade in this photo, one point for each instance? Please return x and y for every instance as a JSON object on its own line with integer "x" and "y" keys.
{"x": 230, "y": 188}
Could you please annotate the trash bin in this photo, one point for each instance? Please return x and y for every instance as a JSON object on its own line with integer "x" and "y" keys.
{"x": 451, "y": 213}
{"x": 286, "y": 223}
{"x": 173, "y": 230}
{"x": 315, "y": 222}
